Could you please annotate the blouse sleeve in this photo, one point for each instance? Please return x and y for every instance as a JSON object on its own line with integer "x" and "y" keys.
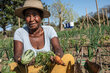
{"x": 52, "y": 32}
{"x": 18, "y": 35}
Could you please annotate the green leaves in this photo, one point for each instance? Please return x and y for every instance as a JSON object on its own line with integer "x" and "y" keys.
{"x": 7, "y": 15}
{"x": 6, "y": 46}
{"x": 43, "y": 59}
{"x": 90, "y": 53}
{"x": 6, "y": 69}
{"x": 61, "y": 12}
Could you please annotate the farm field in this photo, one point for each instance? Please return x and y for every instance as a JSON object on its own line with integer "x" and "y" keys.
{"x": 82, "y": 26}
{"x": 82, "y": 44}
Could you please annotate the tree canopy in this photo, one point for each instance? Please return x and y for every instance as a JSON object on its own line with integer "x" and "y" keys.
{"x": 61, "y": 12}
{"x": 7, "y": 16}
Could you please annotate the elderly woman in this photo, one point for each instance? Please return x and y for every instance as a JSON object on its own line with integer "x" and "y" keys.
{"x": 36, "y": 37}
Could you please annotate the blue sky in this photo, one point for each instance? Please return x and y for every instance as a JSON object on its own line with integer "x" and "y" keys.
{"x": 79, "y": 6}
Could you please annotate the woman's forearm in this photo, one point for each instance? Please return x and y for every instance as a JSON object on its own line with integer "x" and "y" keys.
{"x": 18, "y": 50}
{"x": 59, "y": 52}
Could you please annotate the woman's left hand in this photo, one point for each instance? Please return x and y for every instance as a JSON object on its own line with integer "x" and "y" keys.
{"x": 57, "y": 60}
{"x": 32, "y": 62}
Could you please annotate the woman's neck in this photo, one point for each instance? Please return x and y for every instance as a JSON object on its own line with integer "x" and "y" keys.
{"x": 35, "y": 32}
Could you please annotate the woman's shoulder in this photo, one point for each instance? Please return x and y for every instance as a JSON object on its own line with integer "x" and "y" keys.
{"x": 22, "y": 29}
{"x": 47, "y": 27}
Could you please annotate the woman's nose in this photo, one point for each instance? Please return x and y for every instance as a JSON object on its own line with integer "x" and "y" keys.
{"x": 32, "y": 18}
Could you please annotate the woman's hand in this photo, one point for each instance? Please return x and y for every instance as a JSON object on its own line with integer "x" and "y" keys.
{"x": 57, "y": 60}
{"x": 32, "y": 62}
{"x": 17, "y": 59}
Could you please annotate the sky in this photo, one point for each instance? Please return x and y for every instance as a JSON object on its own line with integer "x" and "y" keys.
{"x": 79, "y": 6}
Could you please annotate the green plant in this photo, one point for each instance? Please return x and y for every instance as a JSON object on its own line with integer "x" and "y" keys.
{"x": 43, "y": 58}
{"x": 6, "y": 46}
{"x": 90, "y": 53}
{"x": 64, "y": 44}
{"x": 6, "y": 67}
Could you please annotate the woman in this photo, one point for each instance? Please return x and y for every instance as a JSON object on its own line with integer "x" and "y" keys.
{"x": 34, "y": 36}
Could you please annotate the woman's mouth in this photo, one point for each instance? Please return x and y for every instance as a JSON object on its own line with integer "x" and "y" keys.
{"x": 32, "y": 24}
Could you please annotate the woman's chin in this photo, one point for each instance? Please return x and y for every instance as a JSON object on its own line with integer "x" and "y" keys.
{"x": 33, "y": 28}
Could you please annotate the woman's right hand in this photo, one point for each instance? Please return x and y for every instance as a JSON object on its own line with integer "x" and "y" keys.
{"x": 17, "y": 59}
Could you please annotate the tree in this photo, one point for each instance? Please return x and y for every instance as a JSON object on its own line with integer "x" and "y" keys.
{"x": 7, "y": 15}
{"x": 46, "y": 7}
{"x": 61, "y": 12}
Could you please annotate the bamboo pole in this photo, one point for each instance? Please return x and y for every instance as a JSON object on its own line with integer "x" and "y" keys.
{"x": 100, "y": 58}
{"x": 97, "y": 51}
{"x": 98, "y": 14}
{"x": 61, "y": 26}
{"x": 93, "y": 19}
{"x": 87, "y": 18}
{"x": 81, "y": 55}
{"x": 107, "y": 17}
{"x": 83, "y": 21}
{"x": 103, "y": 16}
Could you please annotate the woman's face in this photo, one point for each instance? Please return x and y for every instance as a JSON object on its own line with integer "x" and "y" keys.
{"x": 33, "y": 18}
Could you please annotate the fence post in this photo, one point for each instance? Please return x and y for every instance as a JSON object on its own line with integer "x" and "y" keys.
{"x": 98, "y": 14}
{"x": 107, "y": 17}
{"x": 103, "y": 16}
{"x": 87, "y": 18}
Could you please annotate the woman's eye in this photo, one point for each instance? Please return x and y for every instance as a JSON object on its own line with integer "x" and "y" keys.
{"x": 35, "y": 15}
{"x": 27, "y": 15}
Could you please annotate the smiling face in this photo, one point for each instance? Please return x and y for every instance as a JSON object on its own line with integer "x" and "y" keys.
{"x": 33, "y": 18}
